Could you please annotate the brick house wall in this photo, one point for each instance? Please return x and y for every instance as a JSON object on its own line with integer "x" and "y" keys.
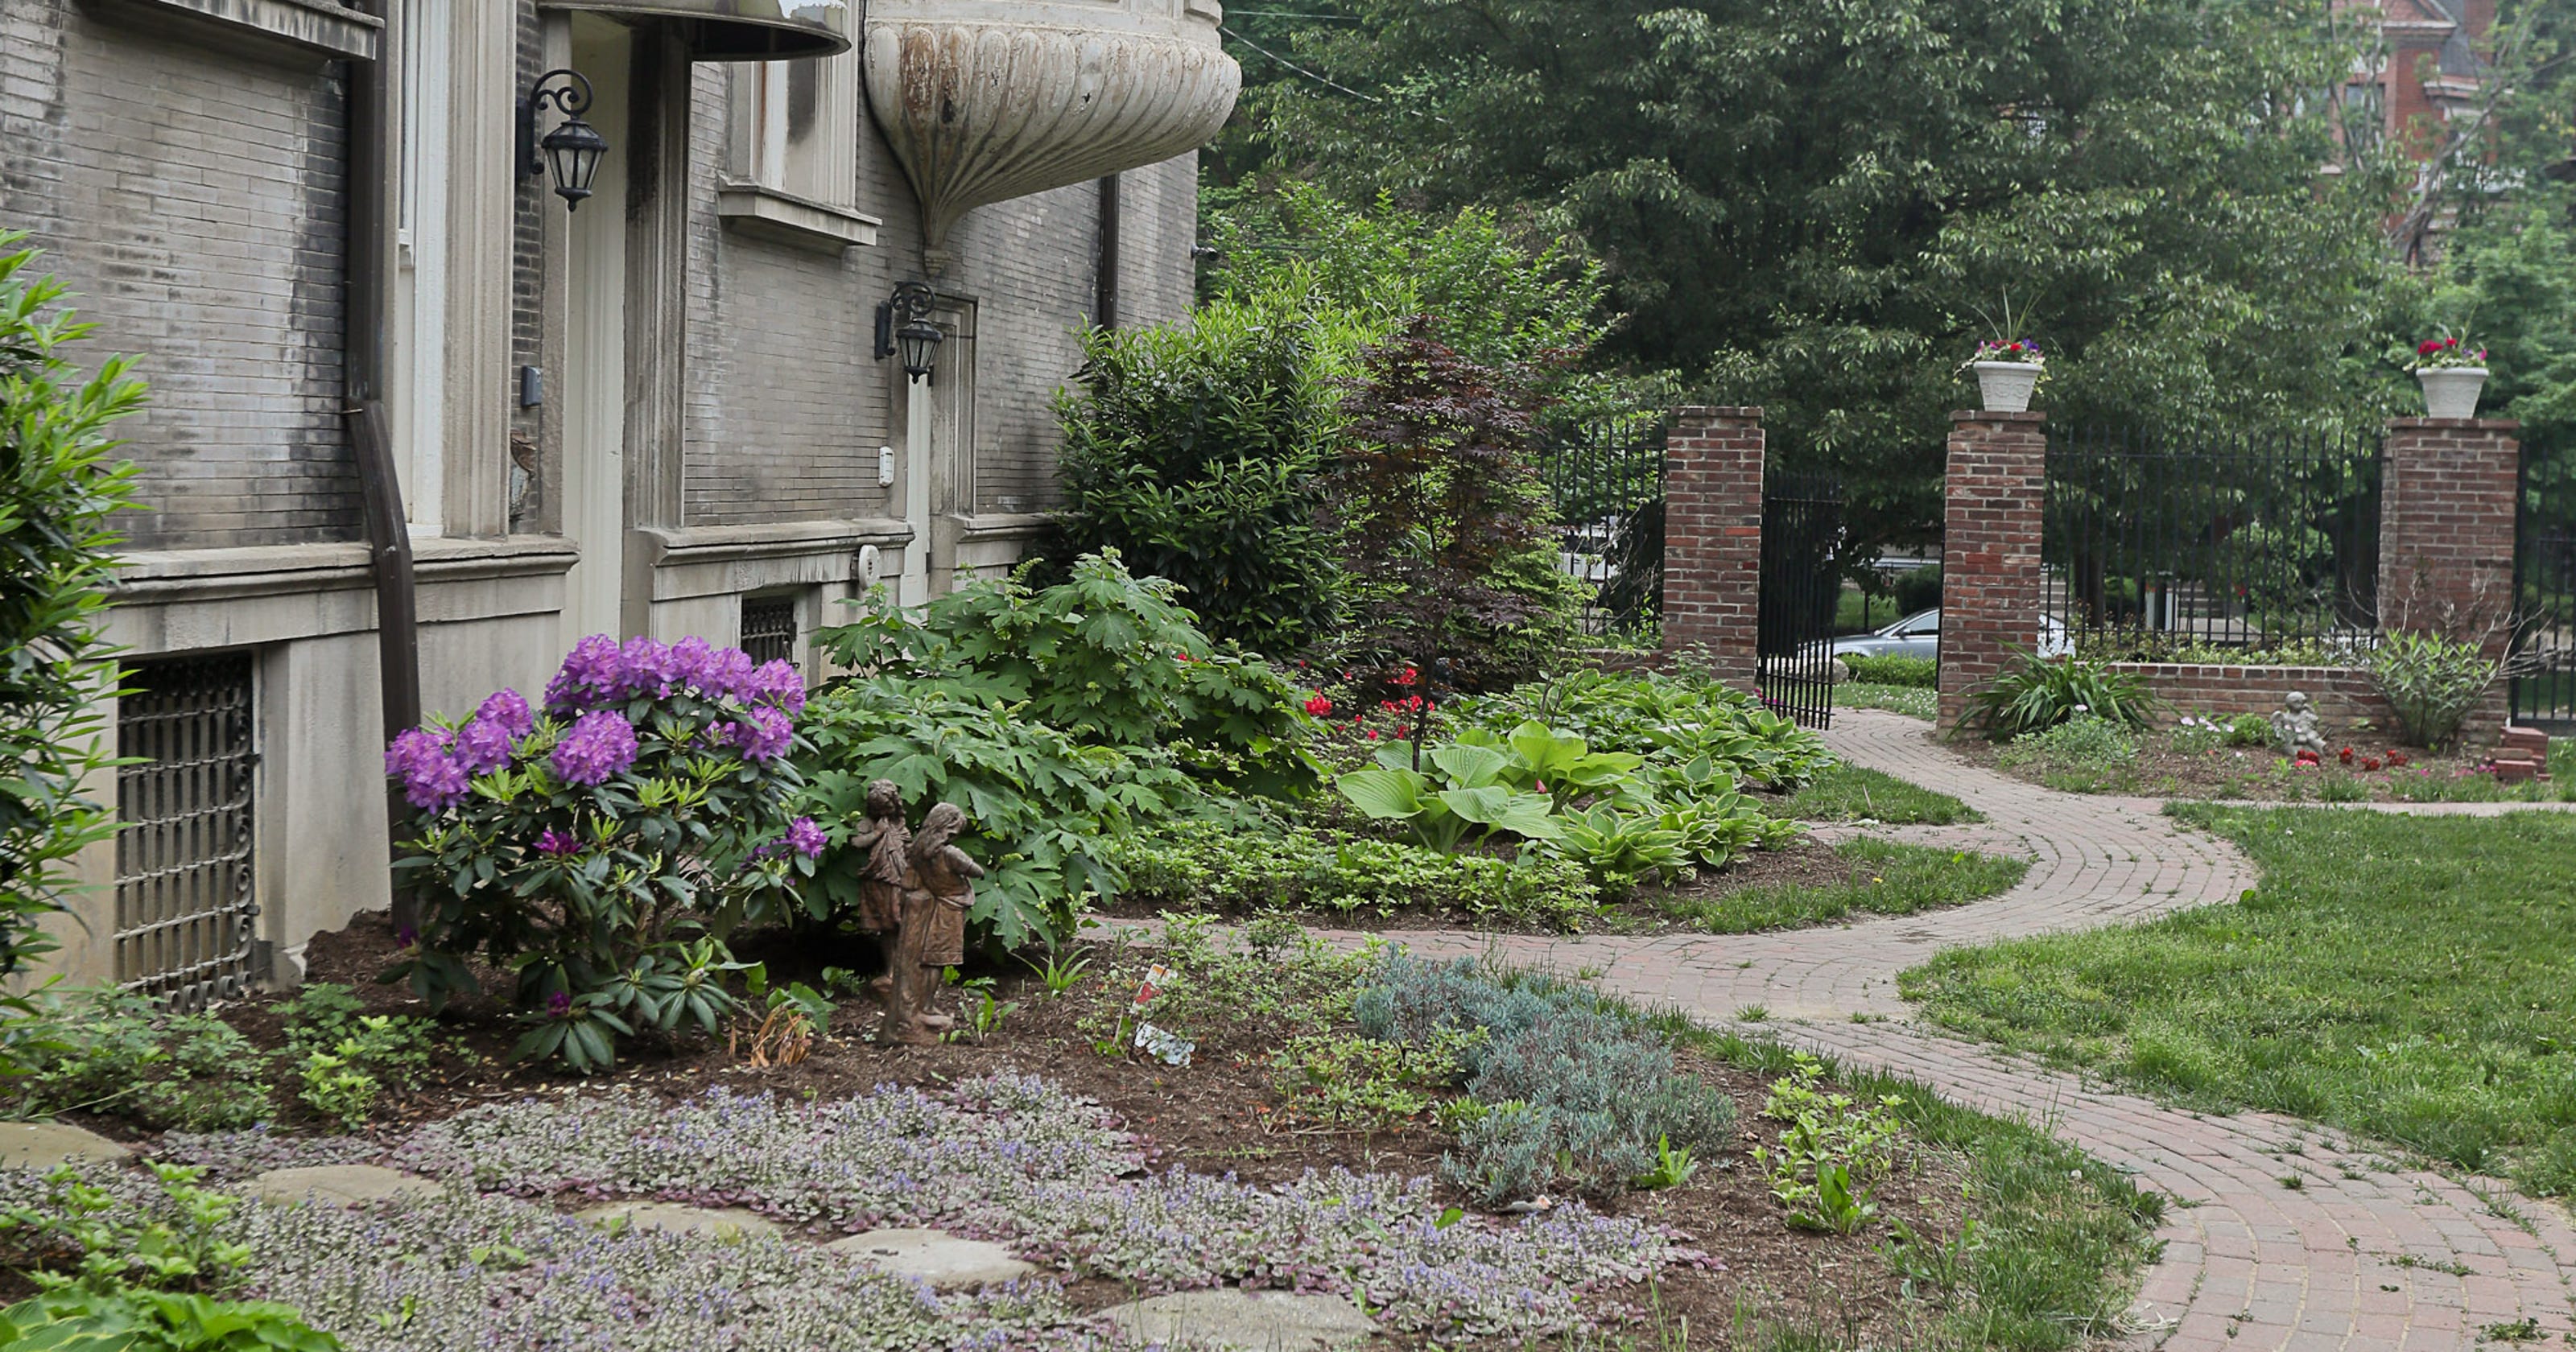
{"x": 1713, "y": 459}
{"x": 194, "y": 199}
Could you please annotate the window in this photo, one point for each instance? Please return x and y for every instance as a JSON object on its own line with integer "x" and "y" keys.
{"x": 185, "y": 909}
{"x": 792, "y": 167}
{"x": 769, "y": 629}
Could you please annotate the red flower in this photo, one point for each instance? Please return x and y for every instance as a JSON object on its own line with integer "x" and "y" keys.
{"x": 1319, "y": 706}
{"x": 1182, "y": 656}
{"x": 2370, "y": 763}
{"x": 1372, "y": 734}
{"x": 1410, "y": 676}
{"x": 2308, "y": 757}
{"x": 2345, "y": 755}
{"x": 2397, "y": 758}
{"x": 2428, "y": 347}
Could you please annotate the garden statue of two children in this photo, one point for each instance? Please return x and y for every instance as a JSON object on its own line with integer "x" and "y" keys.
{"x": 914, "y": 892}
{"x": 2296, "y": 727}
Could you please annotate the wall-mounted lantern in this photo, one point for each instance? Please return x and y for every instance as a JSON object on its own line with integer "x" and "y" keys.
{"x": 573, "y": 150}
{"x": 903, "y": 326}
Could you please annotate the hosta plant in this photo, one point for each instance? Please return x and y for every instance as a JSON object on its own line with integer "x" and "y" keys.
{"x": 600, "y": 849}
{"x": 1463, "y": 795}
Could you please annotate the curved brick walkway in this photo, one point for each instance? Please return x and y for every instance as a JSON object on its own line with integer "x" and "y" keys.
{"x": 2364, "y": 1254}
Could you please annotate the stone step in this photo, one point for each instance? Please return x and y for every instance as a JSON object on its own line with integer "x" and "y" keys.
{"x": 2532, "y": 740}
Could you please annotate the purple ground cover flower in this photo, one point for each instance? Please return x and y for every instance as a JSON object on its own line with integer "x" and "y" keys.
{"x": 600, "y": 744}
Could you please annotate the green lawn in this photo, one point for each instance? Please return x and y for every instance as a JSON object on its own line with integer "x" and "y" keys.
{"x": 2060, "y": 1237}
{"x": 2405, "y": 978}
{"x": 1889, "y": 879}
{"x": 1850, "y": 793}
{"x": 1914, "y": 701}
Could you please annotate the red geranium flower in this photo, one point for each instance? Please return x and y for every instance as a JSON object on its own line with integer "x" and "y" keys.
{"x": 2428, "y": 347}
{"x": 2345, "y": 755}
{"x": 2370, "y": 763}
{"x": 1319, "y": 706}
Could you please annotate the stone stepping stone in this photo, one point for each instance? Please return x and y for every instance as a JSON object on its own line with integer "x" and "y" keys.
{"x": 340, "y": 1185}
{"x": 42, "y": 1145}
{"x": 934, "y": 1256}
{"x": 732, "y": 1223}
{"x": 1254, "y": 1321}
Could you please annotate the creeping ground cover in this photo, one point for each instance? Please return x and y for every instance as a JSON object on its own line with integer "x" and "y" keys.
{"x": 2401, "y": 977}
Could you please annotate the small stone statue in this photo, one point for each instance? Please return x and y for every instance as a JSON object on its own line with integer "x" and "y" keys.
{"x": 886, "y": 874}
{"x": 933, "y": 936}
{"x": 2296, "y": 728}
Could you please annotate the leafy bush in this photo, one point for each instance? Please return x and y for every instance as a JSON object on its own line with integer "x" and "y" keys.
{"x": 2251, "y": 730}
{"x": 150, "y": 1321}
{"x": 1674, "y": 721}
{"x": 1573, "y": 1096}
{"x": 58, "y": 490}
{"x": 2432, "y": 682}
{"x": 1894, "y": 669}
{"x": 1189, "y": 864}
{"x": 2041, "y": 692}
{"x": 1059, "y": 719}
{"x": 176, "y": 1241}
{"x": 1193, "y": 451}
{"x": 116, "y": 1053}
{"x": 1832, "y": 1149}
{"x": 1105, "y": 657}
{"x": 602, "y": 851}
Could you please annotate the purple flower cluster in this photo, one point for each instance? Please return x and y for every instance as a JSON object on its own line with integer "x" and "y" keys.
{"x": 555, "y": 844}
{"x": 601, "y": 744}
{"x": 432, "y": 778}
{"x": 764, "y": 734}
{"x": 600, "y": 672}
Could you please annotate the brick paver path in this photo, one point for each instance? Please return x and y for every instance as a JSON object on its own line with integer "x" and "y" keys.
{"x": 2364, "y": 1254}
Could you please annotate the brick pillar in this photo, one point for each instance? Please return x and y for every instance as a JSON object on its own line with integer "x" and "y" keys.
{"x": 1713, "y": 537}
{"x": 1990, "y": 576}
{"x": 2446, "y": 526}
{"x": 2447, "y": 521}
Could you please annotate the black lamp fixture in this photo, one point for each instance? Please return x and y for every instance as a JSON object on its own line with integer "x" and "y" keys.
{"x": 903, "y": 326}
{"x": 572, "y": 150}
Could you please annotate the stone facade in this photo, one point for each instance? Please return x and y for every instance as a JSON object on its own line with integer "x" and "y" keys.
{"x": 1990, "y": 573}
{"x": 1713, "y": 537}
{"x": 190, "y": 174}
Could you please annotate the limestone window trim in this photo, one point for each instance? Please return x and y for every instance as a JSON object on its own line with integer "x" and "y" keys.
{"x": 791, "y": 170}
{"x": 263, "y": 27}
{"x": 785, "y": 218}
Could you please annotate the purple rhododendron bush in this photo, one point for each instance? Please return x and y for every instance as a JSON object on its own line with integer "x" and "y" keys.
{"x": 600, "y": 849}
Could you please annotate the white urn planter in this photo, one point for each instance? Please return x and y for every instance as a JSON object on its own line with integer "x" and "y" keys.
{"x": 2452, "y": 391}
{"x": 2005, "y": 386}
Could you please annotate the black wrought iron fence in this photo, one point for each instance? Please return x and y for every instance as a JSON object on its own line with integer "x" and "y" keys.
{"x": 2544, "y": 576}
{"x": 2164, "y": 549}
{"x": 1605, "y": 480}
{"x": 1802, "y": 528}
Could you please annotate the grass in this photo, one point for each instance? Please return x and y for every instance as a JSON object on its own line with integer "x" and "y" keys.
{"x": 2059, "y": 1237}
{"x": 2398, "y": 977}
{"x": 1897, "y": 880}
{"x": 1849, "y": 793}
{"x": 1913, "y": 701}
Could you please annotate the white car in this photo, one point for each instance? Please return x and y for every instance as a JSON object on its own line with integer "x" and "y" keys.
{"x": 1919, "y": 635}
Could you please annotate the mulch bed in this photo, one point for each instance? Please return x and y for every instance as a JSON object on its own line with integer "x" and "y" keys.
{"x": 1219, "y": 1115}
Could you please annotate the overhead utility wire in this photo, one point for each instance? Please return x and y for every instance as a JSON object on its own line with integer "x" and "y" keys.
{"x": 1319, "y": 79}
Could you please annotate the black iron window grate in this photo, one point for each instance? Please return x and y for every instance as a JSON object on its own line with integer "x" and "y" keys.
{"x": 186, "y": 913}
{"x": 769, "y": 628}
{"x": 1605, "y": 480}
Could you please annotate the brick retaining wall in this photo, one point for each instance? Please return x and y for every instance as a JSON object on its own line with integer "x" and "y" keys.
{"x": 2342, "y": 695}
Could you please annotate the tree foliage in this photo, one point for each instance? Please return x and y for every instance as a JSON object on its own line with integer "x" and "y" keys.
{"x": 1807, "y": 207}
{"x": 59, "y": 490}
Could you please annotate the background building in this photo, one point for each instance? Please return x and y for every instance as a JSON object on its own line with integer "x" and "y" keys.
{"x": 658, "y": 410}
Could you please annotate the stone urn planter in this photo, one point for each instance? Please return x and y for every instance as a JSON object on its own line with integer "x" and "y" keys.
{"x": 2006, "y": 385}
{"x": 2452, "y": 391}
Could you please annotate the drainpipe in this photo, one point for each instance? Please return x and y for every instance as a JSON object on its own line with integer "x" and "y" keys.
{"x": 388, "y": 533}
{"x": 1104, "y": 301}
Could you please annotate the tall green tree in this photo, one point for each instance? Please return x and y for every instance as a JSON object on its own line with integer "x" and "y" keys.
{"x": 1809, "y": 206}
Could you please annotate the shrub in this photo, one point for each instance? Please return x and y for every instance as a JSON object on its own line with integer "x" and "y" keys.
{"x": 2042, "y": 692}
{"x": 1189, "y": 864}
{"x": 59, "y": 492}
{"x": 2432, "y": 682}
{"x": 1573, "y": 1096}
{"x": 1894, "y": 669}
{"x": 149, "y": 1321}
{"x": 1690, "y": 729}
{"x": 119, "y": 1054}
{"x": 2087, "y": 741}
{"x": 2251, "y": 730}
{"x": 601, "y": 851}
{"x": 1193, "y": 451}
{"x": 1104, "y": 657}
{"x": 1919, "y": 589}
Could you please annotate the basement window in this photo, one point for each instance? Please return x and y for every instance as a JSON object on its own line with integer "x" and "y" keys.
{"x": 186, "y": 908}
